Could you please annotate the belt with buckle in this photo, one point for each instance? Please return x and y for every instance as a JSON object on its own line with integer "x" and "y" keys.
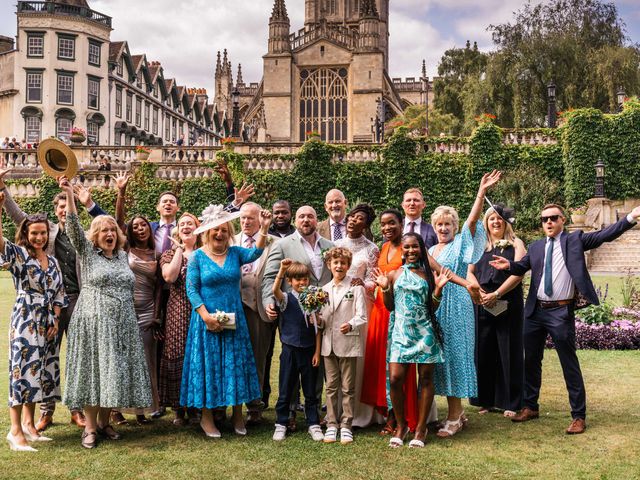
{"x": 554, "y": 303}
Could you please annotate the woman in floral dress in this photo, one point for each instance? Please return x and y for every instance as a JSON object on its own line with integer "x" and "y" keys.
{"x": 106, "y": 366}
{"x": 456, "y": 377}
{"x": 34, "y": 367}
{"x": 174, "y": 271}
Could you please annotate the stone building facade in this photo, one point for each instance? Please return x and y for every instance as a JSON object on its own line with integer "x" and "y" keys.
{"x": 330, "y": 77}
{"x": 64, "y": 71}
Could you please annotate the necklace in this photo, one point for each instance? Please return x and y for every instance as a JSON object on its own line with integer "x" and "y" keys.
{"x": 217, "y": 254}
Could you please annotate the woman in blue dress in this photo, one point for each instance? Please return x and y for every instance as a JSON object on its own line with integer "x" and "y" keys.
{"x": 219, "y": 367}
{"x": 34, "y": 367}
{"x": 456, "y": 377}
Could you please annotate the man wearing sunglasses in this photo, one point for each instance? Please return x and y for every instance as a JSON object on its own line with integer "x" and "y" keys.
{"x": 559, "y": 277}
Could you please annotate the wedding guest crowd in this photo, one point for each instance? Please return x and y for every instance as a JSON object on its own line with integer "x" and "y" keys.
{"x": 183, "y": 313}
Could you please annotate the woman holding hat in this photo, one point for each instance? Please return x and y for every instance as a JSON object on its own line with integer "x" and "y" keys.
{"x": 174, "y": 272}
{"x": 365, "y": 260}
{"x": 219, "y": 367}
{"x": 499, "y": 349}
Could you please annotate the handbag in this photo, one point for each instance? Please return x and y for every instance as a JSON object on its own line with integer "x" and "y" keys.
{"x": 227, "y": 320}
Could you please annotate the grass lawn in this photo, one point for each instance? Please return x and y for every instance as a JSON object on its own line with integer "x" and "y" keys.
{"x": 491, "y": 447}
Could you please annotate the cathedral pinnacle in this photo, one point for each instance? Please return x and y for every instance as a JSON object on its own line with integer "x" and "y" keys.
{"x": 424, "y": 69}
{"x": 239, "y": 80}
{"x": 368, "y": 9}
{"x": 279, "y": 11}
{"x": 218, "y": 66}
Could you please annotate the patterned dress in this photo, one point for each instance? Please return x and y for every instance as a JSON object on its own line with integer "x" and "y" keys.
{"x": 456, "y": 377}
{"x": 175, "y": 335}
{"x": 365, "y": 259}
{"x": 219, "y": 367}
{"x": 411, "y": 335}
{"x": 34, "y": 365}
{"x": 105, "y": 357}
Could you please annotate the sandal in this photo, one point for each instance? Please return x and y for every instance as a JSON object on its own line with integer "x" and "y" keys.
{"x": 509, "y": 413}
{"x": 389, "y": 427}
{"x": 451, "y": 427}
{"x": 483, "y": 411}
{"x": 416, "y": 443}
{"x": 397, "y": 442}
{"x": 118, "y": 418}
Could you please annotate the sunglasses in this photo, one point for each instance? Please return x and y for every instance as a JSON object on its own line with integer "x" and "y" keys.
{"x": 553, "y": 218}
{"x": 37, "y": 218}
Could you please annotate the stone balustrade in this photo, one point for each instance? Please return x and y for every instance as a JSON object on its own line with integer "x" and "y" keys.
{"x": 528, "y": 137}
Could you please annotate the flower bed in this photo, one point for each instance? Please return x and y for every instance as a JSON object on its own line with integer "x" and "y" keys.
{"x": 618, "y": 335}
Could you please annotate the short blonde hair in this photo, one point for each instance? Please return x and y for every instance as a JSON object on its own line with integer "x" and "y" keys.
{"x": 96, "y": 226}
{"x": 508, "y": 234}
{"x": 446, "y": 211}
{"x": 232, "y": 233}
{"x": 414, "y": 190}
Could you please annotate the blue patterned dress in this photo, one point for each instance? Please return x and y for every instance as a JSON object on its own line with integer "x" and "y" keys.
{"x": 219, "y": 368}
{"x": 34, "y": 365}
{"x": 456, "y": 377}
{"x": 411, "y": 335}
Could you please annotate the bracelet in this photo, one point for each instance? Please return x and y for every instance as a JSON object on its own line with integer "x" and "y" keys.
{"x": 436, "y": 299}
{"x": 385, "y": 290}
{"x": 262, "y": 234}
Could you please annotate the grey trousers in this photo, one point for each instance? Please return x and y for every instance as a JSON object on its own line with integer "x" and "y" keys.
{"x": 260, "y": 333}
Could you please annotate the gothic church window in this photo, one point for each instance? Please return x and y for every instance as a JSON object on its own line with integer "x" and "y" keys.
{"x": 323, "y": 104}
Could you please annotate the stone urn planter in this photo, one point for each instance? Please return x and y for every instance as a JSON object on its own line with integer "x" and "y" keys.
{"x": 578, "y": 218}
{"x": 77, "y": 139}
{"x": 142, "y": 156}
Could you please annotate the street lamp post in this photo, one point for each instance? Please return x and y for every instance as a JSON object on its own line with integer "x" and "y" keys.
{"x": 599, "y": 190}
{"x": 551, "y": 105}
{"x": 620, "y": 97}
{"x": 235, "y": 99}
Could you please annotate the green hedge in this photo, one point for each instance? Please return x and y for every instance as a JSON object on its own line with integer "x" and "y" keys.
{"x": 533, "y": 174}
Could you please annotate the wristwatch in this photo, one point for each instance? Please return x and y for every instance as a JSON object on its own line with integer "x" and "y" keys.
{"x": 498, "y": 295}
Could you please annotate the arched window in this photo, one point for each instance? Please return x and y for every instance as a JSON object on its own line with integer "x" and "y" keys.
{"x": 323, "y": 104}
{"x": 32, "y": 123}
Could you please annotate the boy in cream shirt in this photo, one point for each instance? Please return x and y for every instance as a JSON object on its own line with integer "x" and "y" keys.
{"x": 342, "y": 318}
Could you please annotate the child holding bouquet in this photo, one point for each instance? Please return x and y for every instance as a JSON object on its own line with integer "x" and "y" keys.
{"x": 342, "y": 318}
{"x": 300, "y": 355}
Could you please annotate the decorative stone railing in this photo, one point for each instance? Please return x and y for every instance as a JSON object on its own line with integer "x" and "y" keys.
{"x": 542, "y": 136}
{"x": 63, "y": 9}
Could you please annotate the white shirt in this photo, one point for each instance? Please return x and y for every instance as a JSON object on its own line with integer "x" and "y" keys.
{"x": 416, "y": 229}
{"x": 342, "y": 227}
{"x": 563, "y": 286}
{"x": 314, "y": 253}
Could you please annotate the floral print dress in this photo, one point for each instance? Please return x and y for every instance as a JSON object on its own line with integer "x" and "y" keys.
{"x": 34, "y": 364}
{"x": 106, "y": 366}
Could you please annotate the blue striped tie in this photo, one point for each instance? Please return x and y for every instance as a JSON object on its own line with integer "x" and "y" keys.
{"x": 548, "y": 273}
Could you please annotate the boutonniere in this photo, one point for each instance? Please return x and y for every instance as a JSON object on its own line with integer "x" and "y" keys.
{"x": 268, "y": 241}
{"x": 503, "y": 244}
{"x": 323, "y": 253}
{"x": 348, "y": 295}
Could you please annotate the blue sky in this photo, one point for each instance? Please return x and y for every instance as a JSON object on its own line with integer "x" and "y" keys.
{"x": 184, "y": 35}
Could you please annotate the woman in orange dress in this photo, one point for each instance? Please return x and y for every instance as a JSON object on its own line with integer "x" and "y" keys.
{"x": 375, "y": 380}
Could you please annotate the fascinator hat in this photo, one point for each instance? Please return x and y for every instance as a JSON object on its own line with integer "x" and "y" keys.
{"x": 506, "y": 213}
{"x": 214, "y": 216}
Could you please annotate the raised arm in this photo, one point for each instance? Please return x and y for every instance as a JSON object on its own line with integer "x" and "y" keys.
{"x": 488, "y": 180}
{"x": 471, "y": 287}
{"x": 2, "y": 243}
{"x": 263, "y": 233}
{"x": 276, "y": 290}
{"x": 72, "y": 225}
{"x": 595, "y": 239}
{"x": 84, "y": 196}
{"x": 16, "y": 214}
{"x": 122, "y": 180}
{"x": 171, "y": 269}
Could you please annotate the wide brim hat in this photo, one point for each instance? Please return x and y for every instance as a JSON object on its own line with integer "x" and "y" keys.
{"x": 214, "y": 216}
{"x": 57, "y": 159}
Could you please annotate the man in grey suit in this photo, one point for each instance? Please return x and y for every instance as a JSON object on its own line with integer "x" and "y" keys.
{"x": 261, "y": 327}
{"x": 305, "y": 246}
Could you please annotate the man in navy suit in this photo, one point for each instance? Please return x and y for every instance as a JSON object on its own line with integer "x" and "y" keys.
{"x": 413, "y": 204}
{"x": 558, "y": 275}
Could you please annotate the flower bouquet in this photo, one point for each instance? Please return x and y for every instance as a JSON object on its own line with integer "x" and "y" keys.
{"x": 226, "y": 320}
{"x": 312, "y": 299}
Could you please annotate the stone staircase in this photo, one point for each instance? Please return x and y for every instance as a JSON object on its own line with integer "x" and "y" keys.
{"x": 619, "y": 256}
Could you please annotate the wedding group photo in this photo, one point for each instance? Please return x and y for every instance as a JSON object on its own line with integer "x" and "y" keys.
{"x": 407, "y": 247}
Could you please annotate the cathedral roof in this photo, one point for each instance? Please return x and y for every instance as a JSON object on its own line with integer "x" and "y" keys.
{"x": 279, "y": 11}
{"x": 75, "y": 3}
{"x": 115, "y": 50}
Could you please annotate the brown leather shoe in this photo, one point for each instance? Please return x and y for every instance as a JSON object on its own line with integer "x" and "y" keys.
{"x": 578, "y": 425}
{"x": 46, "y": 419}
{"x": 254, "y": 418}
{"x": 77, "y": 418}
{"x": 525, "y": 415}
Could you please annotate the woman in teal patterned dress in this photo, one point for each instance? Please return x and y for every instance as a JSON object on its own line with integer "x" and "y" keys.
{"x": 412, "y": 293}
{"x": 34, "y": 367}
{"x": 456, "y": 377}
{"x": 106, "y": 367}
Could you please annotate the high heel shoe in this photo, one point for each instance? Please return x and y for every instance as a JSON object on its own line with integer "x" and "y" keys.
{"x": 18, "y": 448}
{"x": 215, "y": 434}
{"x": 34, "y": 438}
{"x": 240, "y": 430}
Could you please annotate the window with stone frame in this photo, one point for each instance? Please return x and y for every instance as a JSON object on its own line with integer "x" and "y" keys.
{"x": 167, "y": 128}
{"x": 155, "y": 121}
{"x": 34, "y": 87}
{"x": 32, "y": 129}
{"x": 66, "y": 48}
{"x": 147, "y": 112}
{"x": 139, "y": 79}
{"x": 324, "y": 104}
{"x": 138, "y": 111}
{"x": 93, "y": 133}
{"x": 63, "y": 128}
{"x": 94, "y": 53}
{"x": 93, "y": 99}
{"x": 129, "y": 106}
{"x": 35, "y": 45}
{"x": 120, "y": 67}
{"x": 65, "y": 89}
{"x": 155, "y": 89}
{"x": 119, "y": 102}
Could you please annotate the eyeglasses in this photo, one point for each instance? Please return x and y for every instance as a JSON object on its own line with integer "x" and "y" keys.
{"x": 37, "y": 217}
{"x": 553, "y": 218}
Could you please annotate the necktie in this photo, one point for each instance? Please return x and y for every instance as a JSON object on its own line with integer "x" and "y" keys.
{"x": 412, "y": 227}
{"x": 166, "y": 237}
{"x": 548, "y": 273}
{"x": 337, "y": 232}
{"x": 249, "y": 242}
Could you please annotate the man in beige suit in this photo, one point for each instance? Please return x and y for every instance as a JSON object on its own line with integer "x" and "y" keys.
{"x": 260, "y": 326}
{"x": 342, "y": 318}
{"x": 335, "y": 227}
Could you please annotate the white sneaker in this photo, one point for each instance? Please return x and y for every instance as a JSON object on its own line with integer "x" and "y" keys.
{"x": 331, "y": 435}
{"x": 316, "y": 433}
{"x": 280, "y": 433}
{"x": 346, "y": 436}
